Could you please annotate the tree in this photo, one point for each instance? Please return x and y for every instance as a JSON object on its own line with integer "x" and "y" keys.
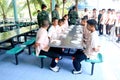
{"x": 5, "y": 8}
{"x": 29, "y": 10}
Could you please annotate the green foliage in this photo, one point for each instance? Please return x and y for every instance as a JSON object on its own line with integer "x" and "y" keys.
{"x": 6, "y": 7}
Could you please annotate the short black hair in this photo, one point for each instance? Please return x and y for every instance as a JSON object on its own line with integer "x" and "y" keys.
{"x": 84, "y": 18}
{"x": 45, "y": 23}
{"x": 43, "y": 6}
{"x": 56, "y": 6}
{"x": 103, "y": 9}
{"x": 85, "y": 9}
{"x": 53, "y": 19}
{"x": 109, "y": 9}
{"x": 65, "y": 15}
{"x": 60, "y": 20}
{"x": 94, "y": 9}
{"x": 38, "y": 11}
{"x": 92, "y": 22}
{"x": 74, "y": 7}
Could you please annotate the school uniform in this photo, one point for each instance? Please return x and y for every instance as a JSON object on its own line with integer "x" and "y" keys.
{"x": 43, "y": 48}
{"x": 80, "y": 55}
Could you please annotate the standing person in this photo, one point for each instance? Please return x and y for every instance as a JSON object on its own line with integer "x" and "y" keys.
{"x": 108, "y": 23}
{"x": 38, "y": 19}
{"x": 42, "y": 46}
{"x": 91, "y": 49}
{"x": 73, "y": 16}
{"x": 69, "y": 15}
{"x": 94, "y": 14}
{"x": 100, "y": 26}
{"x": 103, "y": 21}
{"x": 86, "y": 13}
{"x": 112, "y": 22}
{"x": 117, "y": 24}
{"x": 43, "y": 14}
{"x": 55, "y": 13}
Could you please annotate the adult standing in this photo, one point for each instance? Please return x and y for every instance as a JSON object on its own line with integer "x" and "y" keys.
{"x": 103, "y": 21}
{"x": 55, "y": 13}
{"x": 73, "y": 16}
{"x": 100, "y": 26}
{"x": 86, "y": 13}
{"x": 43, "y": 15}
{"x": 38, "y": 11}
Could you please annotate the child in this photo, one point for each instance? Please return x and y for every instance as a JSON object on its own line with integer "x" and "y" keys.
{"x": 42, "y": 46}
{"x": 54, "y": 29}
{"x": 91, "y": 49}
{"x": 61, "y": 26}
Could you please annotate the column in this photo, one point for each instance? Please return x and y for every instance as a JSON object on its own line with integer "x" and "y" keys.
{"x": 53, "y": 4}
{"x": 15, "y": 10}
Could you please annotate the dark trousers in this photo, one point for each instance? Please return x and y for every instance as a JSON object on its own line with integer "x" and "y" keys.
{"x": 117, "y": 31}
{"x": 52, "y": 53}
{"x": 100, "y": 28}
{"x": 78, "y": 57}
{"x": 108, "y": 28}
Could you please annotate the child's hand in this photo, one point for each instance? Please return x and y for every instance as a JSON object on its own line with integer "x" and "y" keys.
{"x": 36, "y": 45}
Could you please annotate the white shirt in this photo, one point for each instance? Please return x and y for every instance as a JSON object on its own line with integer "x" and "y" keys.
{"x": 53, "y": 32}
{"x": 60, "y": 29}
{"x": 111, "y": 19}
{"x": 117, "y": 23}
{"x": 42, "y": 39}
{"x": 103, "y": 19}
{"x": 93, "y": 43}
{"x": 66, "y": 24}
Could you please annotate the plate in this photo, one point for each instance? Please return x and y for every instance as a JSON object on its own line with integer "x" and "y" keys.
{"x": 79, "y": 35}
{"x": 75, "y": 42}
{"x": 79, "y": 39}
{"x": 66, "y": 32}
{"x": 63, "y": 35}
{"x": 56, "y": 42}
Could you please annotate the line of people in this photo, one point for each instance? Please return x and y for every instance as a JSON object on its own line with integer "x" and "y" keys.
{"x": 108, "y": 22}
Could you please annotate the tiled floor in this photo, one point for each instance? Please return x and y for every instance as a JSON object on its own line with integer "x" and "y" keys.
{"x": 29, "y": 66}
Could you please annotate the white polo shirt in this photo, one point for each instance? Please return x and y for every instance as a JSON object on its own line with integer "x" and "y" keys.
{"x": 53, "y": 32}
{"x": 93, "y": 43}
{"x": 42, "y": 39}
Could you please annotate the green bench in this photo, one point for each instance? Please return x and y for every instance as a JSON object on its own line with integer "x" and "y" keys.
{"x": 16, "y": 51}
{"x": 42, "y": 57}
{"x": 29, "y": 43}
{"x": 93, "y": 61}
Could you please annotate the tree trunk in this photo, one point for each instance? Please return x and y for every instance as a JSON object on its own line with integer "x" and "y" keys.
{"x": 3, "y": 12}
{"x": 29, "y": 10}
{"x": 76, "y": 1}
{"x": 63, "y": 9}
{"x": 51, "y": 8}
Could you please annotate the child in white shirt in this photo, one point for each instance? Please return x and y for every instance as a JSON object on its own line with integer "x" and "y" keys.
{"x": 91, "y": 49}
